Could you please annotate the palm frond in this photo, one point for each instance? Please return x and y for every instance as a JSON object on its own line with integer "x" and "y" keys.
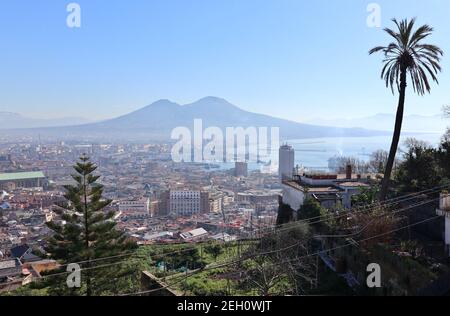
{"x": 409, "y": 54}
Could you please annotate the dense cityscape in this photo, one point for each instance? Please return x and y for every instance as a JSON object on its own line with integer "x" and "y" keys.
{"x": 155, "y": 200}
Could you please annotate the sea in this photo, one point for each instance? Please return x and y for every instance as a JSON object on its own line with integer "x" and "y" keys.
{"x": 315, "y": 153}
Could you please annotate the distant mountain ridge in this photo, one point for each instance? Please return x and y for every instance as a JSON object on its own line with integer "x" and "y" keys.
{"x": 156, "y": 121}
{"x": 9, "y": 120}
{"x": 384, "y": 121}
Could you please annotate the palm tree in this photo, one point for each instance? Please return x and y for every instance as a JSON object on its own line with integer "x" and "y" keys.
{"x": 407, "y": 54}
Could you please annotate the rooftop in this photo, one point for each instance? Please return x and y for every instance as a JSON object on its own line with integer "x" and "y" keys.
{"x": 328, "y": 189}
{"x": 313, "y": 189}
{"x": 21, "y": 176}
{"x": 340, "y": 176}
{"x": 354, "y": 184}
{"x": 194, "y": 233}
{"x": 19, "y": 251}
{"x": 8, "y": 264}
{"x": 294, "y": 184}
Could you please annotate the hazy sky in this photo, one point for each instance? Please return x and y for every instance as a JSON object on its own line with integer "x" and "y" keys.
{"x": 294, "y": 59}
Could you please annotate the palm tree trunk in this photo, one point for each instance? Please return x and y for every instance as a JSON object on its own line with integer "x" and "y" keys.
{"x": 395, "y": 138}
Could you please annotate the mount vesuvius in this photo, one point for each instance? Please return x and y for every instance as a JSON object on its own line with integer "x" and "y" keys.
{"x": 156, "y": 122}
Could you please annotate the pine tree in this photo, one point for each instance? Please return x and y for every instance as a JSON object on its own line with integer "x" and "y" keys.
{"x": 85, "y": 233}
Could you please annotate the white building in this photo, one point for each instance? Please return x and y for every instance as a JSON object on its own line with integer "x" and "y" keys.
{"x": 194, "y": 234}
{"x": 158, "y": 236}
{"x": 224, "y": 237}
{"x": 286, "y": 162}
{"x": 331, "y": 191}
{"x": 188, "y": 203}
{"x": 215, "y": 204}
{"x": 258, "y": 196}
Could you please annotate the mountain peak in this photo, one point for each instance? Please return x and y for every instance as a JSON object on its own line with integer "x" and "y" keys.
{"x": 163, "y": 102}
{"x": 212, "y": 99}
{"x": 209, "y": 103}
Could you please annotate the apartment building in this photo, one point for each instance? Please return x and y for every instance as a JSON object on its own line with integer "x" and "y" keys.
{"x": 286, "y": 162}
{"x": 139, "y": 207}
{"x": 188, "y": 203}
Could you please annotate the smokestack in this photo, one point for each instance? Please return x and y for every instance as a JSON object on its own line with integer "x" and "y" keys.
{"x": 349, "y": 172}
